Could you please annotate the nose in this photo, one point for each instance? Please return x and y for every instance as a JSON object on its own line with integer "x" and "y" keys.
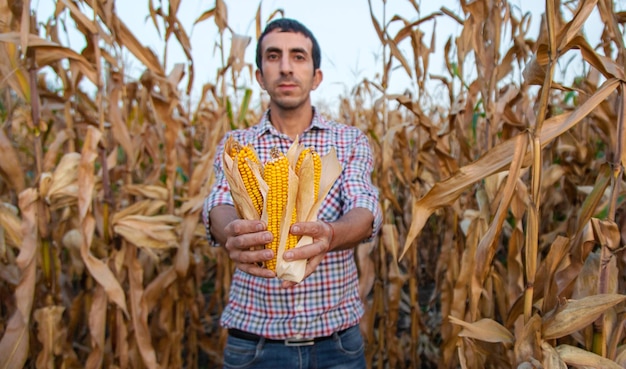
{"x": 285, "y": 64}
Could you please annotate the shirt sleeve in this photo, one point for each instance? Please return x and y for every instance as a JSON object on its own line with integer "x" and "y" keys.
{"x": 220, "y": 192}
{"x": 358, "y": 186}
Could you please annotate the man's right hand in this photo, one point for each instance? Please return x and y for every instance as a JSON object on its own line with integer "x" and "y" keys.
{"x": 245, "y": 242}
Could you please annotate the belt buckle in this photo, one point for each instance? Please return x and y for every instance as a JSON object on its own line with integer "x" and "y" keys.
{"x": 296, "y": 342}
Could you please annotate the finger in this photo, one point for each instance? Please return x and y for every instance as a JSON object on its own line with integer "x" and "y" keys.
{"x": 248, "y": 241}
{"x": 251, "y": 256}
{"x": 241, "y": 226}
{"x": 306, "y": 251}
{"x": 312, "y": 265}
{"x": 256, "y": 270}
{"x": 317, "y": 229}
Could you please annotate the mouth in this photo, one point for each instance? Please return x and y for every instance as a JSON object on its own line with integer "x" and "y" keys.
{"x": 287, "y": 86}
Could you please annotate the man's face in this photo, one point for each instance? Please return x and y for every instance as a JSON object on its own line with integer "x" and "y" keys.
{"x": 287, "y": 69}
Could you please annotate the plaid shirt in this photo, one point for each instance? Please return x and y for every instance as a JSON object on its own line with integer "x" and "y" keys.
{"x": 328, "y": 300}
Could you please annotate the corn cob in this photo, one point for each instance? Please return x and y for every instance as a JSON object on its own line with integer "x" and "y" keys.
{"x": 276, "y": 175}
{"x": 250, "y": 181}
{"x": 317, "y": 168}
{"x": 243, "y": 171}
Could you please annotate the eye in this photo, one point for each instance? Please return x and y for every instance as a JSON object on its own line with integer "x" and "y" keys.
{"x": 272, "y": 56}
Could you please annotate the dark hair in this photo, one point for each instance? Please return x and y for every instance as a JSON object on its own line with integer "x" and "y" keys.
{"x": 289, "y": 25}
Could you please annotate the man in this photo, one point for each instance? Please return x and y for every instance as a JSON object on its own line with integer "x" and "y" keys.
{"x": 314, "y": 323}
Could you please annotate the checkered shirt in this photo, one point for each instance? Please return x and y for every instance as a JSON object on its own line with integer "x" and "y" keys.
{"x": 327, "y": 301}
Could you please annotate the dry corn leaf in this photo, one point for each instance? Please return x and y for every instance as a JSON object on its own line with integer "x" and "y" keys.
{"x": 238, "y": 46}
{"x": 63, "y": 188}
{"x": 97, "y": 327}
{"x": 80, "y": 17}
{"x": 221, "y": 15}
{"x": 153, "y": 292}
{"x": 202, "y": 171}
{"x": 24, "y": 26}
{"x": 156, "y": 192}
{"x": 497, "y": 159}
{"x": 606, "y": 233}
{"x": 551, "y": 358}
{"x": 119, "y": 128}
{"x": 72, "y": 240}
{"x": 487, "y": 247}
{"x": 9, "y": 165}
{"x": 53, "y": 149}
{"x": 389, "y": 238}
{"x": 487, "y": 330}
{"x": 198, "y": 185}
{"x": 13, "y": 72}
{"x": 367, "y": 268}
{"x": 188, "y": 231}
{"x": 621, "y": 122}
{"x": 574, "y": 27}
{"x": 142, "y": 207}
{"x": 548, "y": 271}
{"x": 577, "y": 314}
{"x": 48, "y": 52}
{"x": 144, "y": 54}
{"x": 86, "y": 169}
{"x": 139, "y": 311}
{"x": 11, "y": 225}
{"x": 586, "y": 284}
{"x": 14, "y": 345}
{"x": 527, "y": 340}
{"x": 578, "y": 357}
{"x": 154, "y": 232}
{"x": 620, "y": 358}
{"x": 51, "y": 334}
{"x": 98, "y": 269}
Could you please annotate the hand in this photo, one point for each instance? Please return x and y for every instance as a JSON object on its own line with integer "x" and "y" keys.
{"x": 322, "y": 234}
{"x": 245, "y": 241}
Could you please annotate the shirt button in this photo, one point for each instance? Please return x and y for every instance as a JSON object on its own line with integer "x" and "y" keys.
{"x": 298, "y": 336}
{"x": 299, "y": 308}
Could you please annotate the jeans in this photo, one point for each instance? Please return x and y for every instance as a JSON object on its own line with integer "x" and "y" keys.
{"x": 342, "y": 351}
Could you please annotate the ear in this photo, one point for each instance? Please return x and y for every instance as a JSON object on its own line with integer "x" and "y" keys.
{"x": 259, "y": 78}
{"x": 317, "y": 78}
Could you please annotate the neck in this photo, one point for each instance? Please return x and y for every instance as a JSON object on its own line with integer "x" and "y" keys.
{"x": 291, "y": 122}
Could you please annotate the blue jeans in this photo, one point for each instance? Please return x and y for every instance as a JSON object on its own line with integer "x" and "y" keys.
{"x": 342, "y": 351}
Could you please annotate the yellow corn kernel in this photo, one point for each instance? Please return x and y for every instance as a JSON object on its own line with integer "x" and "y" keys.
{"x": 276, "y": 175}
{"x": 235, "y": 147}
{"x": 250, "y": 181}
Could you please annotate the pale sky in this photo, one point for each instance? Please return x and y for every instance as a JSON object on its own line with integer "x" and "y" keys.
{"x": 351, "y": 50}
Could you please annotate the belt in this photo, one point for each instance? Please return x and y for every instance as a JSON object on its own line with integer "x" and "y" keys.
{"x": 233, "y": 332}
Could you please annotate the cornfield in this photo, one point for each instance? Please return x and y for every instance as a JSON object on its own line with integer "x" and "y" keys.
{"x": 503, "y": 198}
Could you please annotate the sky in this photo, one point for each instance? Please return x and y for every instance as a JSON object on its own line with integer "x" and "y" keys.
{"x": 350, "y": 47}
